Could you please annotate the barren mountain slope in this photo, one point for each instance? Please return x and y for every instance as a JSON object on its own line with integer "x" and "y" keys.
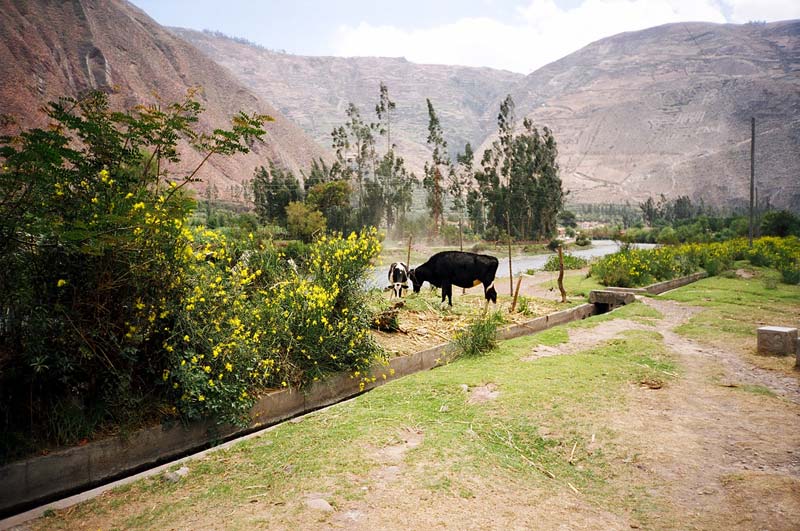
{"x": 667, "y": 110}
{"x": 50, "y": 49}
{"x": 314, "y": 91}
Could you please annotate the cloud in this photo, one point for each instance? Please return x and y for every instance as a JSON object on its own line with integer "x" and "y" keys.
{"x": 543, "y": 31}
{"x": 748, "y": 10}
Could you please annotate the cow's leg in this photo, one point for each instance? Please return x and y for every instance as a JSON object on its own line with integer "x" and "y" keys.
{"x": 447, "y": 292}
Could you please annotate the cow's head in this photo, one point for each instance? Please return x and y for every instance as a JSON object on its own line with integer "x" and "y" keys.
{"x": 414, "y": 281}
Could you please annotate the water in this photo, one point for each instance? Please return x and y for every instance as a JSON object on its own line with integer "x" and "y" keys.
{"x": 522, "y": 263}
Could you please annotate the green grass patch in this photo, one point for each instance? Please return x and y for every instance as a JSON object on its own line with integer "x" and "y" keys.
{"x": 736, "y": 307}
{"x": 576, "y": 283}
{"x": 756, "y": 390}
{"x": 637, "y": 312}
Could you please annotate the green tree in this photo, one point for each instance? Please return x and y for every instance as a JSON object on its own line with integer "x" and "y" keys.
{"x": 458, "y": 186}
{"x": 320, "y": 172}
{"x": 354, "y": 146}
{"x": 302, "y": 222}
{"x": 519, "y": 178}
{"x": 333, "y": 200}
{"x": 780, "y": 223}
{"x": 273, "y": 189}
{"x": 438, "y": 166}
{"x": 396, "y": 182}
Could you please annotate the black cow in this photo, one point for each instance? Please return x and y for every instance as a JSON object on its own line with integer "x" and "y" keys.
{"x": 398, "y": 276}
{"x": 464, "y": 270}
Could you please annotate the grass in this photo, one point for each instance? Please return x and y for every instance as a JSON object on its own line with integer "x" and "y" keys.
{"x": 576, "y": 283}
{"x": 538, "y": 421}
{"x": 636, "y": 312}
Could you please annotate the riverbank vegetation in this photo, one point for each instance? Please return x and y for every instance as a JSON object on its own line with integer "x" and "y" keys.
{"x": 638, "y": 267}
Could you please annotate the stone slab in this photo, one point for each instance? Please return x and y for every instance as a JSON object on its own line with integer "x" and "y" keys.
{"x": 610, "y": 299}
{"x": 780, "y": 340}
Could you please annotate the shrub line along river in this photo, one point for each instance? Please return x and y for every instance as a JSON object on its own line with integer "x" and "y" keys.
{"x": 522, "y": 263}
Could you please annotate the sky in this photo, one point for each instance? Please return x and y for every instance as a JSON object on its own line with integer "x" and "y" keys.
{"x": 515, "y": 35}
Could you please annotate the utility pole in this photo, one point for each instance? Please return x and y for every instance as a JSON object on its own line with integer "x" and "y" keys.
{"x": 752, "y": 173}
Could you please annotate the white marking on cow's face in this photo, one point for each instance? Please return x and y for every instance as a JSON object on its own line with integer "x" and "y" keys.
{"x": 398, "y": 289}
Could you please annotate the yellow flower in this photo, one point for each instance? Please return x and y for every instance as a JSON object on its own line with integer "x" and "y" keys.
{"x": 201, "y": 398}
{"x": 61, "y": 283}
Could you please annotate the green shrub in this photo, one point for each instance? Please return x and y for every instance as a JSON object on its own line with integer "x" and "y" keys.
{"x": 570, "y": 262}
{"x": 479, "y": 337}
{"x": 583, "y": 240}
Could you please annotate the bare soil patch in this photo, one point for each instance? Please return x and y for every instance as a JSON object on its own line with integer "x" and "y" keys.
{"x": 483, "y": 393}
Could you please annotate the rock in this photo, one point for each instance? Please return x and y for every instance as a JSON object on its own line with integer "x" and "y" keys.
{"x": 319, "y": 504}
{"x": 353, "y": 515}
{"x": 174, "y": 477}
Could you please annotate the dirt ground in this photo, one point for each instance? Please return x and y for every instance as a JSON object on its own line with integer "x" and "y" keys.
{"x": 712, "y": 454}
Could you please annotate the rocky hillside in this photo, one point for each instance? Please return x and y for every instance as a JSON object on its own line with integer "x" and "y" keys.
{"x": 667, "y": 110}
{"x": 315, "y": 91}
{"x": 50, "y": 49}
{"x": 664, "y": 110}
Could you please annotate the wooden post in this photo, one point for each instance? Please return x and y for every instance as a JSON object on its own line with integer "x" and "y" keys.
{"x": 752, "y": 174}
{"x": 461, "y": 243}
{"x": 510, "y": 272}
{"x": 408, "y": 254}
{"x": 561, "y": 275}
{"x": 516, "y": 294}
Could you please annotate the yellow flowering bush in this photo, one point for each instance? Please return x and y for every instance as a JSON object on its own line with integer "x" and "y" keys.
{"x": 637, "y": 267}
{"x": 249, "y": 322}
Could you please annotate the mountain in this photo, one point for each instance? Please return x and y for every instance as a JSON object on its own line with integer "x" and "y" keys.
{"x": 663, "y": 110}
{"x": 667, "y": 110}
{"x": 315, "y": 91}
{"x": 51, "y": 49}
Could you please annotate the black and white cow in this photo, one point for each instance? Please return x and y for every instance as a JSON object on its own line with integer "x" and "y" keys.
{"x": 398, "y": 277}
{"x": 449, "y": 268}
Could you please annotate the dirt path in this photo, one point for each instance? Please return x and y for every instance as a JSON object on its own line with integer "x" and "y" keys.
{"x": 721, "y": 457}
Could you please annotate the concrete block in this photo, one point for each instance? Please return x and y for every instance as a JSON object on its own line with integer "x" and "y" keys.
{"x": 402, "y": 365}
{"x": 777, "y": 340}
{"x": 276, "y": 406}
{"x": 661, "y": 287}
{"x": 333, "y": 389}
{"x": 434, "y": 357}
{"x": 13, "y": 484}
{"x": 615, "y": 298}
